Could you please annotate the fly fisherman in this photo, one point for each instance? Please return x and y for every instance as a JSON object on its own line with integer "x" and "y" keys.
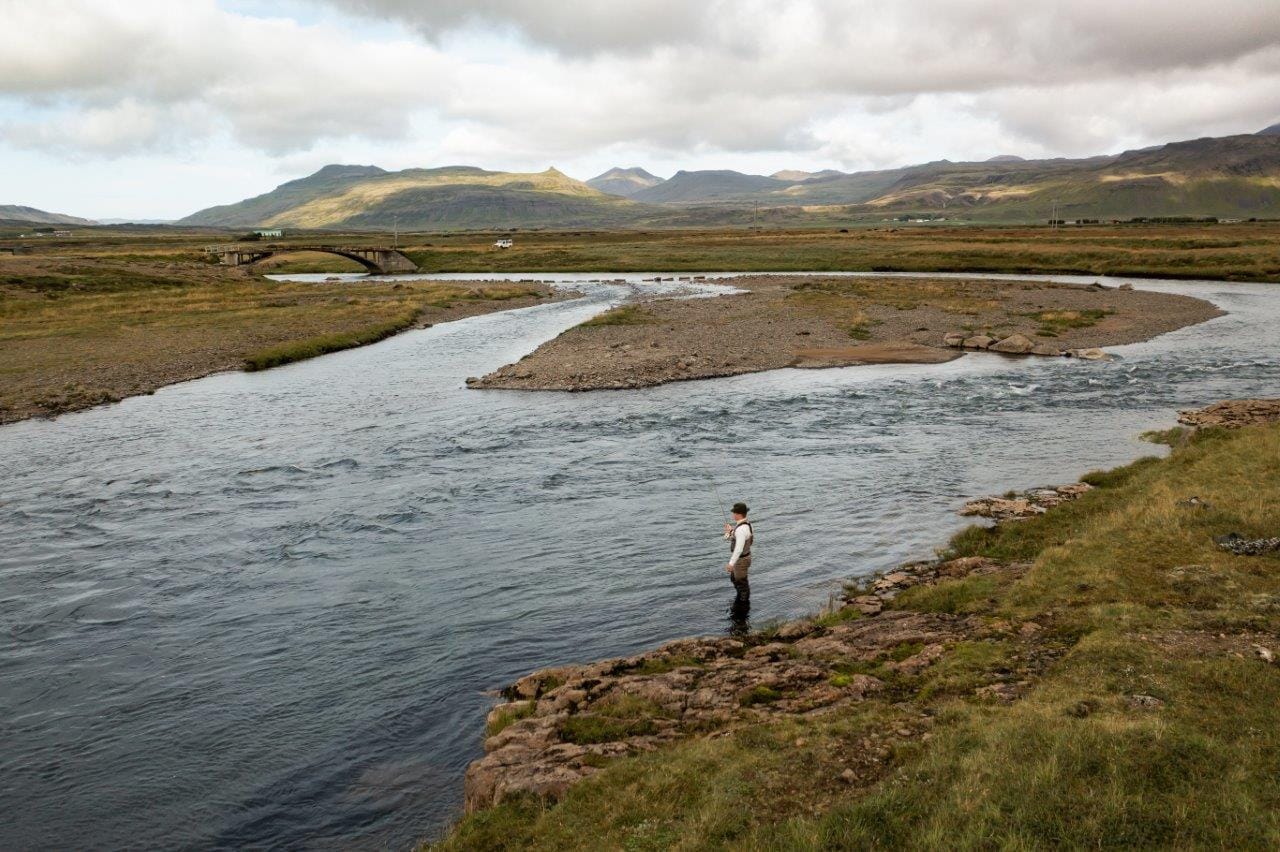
{"x": 740, "y": 536}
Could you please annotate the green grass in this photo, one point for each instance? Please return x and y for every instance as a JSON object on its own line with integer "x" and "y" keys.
{"x": 585, "y": 730}
{"x": 1132, "y": 598}
{"x": 621, "y": 315}
{"x": 1053, "y": 323}
{"x": 759, "y": 695}
{"x": 661, "y": 665}
{"x": 300, "y": 350}
{"x": 507, "y": 717}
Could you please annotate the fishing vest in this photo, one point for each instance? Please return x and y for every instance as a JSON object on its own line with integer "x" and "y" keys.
{"x": 751, "y": 537}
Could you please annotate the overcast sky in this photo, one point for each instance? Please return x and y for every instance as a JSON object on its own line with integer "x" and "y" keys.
{"x": 156, "y": 108}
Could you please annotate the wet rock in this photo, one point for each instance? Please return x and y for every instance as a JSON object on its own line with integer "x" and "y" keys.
{"x": 1091, "y": 354}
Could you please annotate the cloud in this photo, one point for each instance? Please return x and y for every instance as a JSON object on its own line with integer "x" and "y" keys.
{"x": 104, "y": 77}
{"x": 501, "y": 82}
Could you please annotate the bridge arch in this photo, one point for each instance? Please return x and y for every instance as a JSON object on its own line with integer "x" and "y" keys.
{"x": 377, "y": 259}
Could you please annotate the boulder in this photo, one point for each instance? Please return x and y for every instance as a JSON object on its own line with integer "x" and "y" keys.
{"x": 1014, "y": 344}
{"x": 1046, "y": 350}
{"x": 867, "y": 604}
{"x": 978, "y": 341}
{"x": 1093, "y": 354}
{"x": 953, "y": 338}
{"x": 1125, "y": 286}
{"x": 793, "y": 630}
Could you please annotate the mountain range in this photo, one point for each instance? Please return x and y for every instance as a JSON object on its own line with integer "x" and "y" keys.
{"x": 1232, "y": 176}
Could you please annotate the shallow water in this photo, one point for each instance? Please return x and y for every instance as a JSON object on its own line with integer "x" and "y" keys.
{"x": 267, "y": 609}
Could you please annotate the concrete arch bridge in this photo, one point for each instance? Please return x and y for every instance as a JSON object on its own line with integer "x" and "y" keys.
{"x": 379, "y": 259}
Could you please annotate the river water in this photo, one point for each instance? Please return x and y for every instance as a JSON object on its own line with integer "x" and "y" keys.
{"x": 269, "y": 609}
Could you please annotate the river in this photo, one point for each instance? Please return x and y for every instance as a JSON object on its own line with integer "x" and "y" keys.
{"x": 269, "y": 609}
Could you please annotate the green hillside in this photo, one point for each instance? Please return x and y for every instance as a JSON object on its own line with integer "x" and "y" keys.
{"x": 1233, "y": 177}
{"x": 17, "y": 214}
{"x": 451, "y": 197}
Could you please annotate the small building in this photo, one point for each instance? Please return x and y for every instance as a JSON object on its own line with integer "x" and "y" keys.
{"x": 504, "y": 244}
{"x": 270, "y": 232}
{"x": 62, "y": 233}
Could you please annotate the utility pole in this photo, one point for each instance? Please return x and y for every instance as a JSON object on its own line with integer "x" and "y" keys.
{"x": 395, "y": 238}
{"x": 1053, "y": 221}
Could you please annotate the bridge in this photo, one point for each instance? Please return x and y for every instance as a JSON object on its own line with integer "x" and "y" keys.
{"x": 379, "y": 259}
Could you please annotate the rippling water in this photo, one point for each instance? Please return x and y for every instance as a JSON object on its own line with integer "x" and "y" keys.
{"x": 266, "y": 609}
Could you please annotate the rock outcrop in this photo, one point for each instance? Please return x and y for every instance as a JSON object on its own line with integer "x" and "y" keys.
{"x": 1015, "y": 344}
{"x": 560, "y": 725}
{"x": 1025, "y": 504}
{"x": 563, "y": 724}
{"x": 1234, "y": 413}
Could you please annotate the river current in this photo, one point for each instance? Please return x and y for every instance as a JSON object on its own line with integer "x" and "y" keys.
{"x": 269, "y": 609}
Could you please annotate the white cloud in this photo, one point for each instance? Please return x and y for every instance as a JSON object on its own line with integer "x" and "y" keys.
{"x": 274, "y": 84}
{"x": 668, "y": 83}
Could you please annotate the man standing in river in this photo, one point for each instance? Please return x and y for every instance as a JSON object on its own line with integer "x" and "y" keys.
{"x": 740, "y": 537}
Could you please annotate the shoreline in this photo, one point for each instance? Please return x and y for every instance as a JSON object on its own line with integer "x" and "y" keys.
{"x": 903, "y": 668}
{"x": 813, "y": 322}
{"x": 537, "y": 742}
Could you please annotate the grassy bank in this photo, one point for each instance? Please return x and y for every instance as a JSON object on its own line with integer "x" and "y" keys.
{"x": 76, "y": 333}
{"x": 1245, "y": 252}
{"x": 1144, "y": 717}
{"x": 312, "y": 347}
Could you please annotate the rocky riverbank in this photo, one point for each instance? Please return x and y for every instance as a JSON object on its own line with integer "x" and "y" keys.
{"x": 1234, "y": 414}
{"x": 561, "y": 725}
{"x": 812, "y": 322}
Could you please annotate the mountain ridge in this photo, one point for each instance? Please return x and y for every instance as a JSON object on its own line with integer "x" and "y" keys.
{"x": 1231, "y": 176}
{"x": 625, "y": 182}
{"x": 21, "y": 214}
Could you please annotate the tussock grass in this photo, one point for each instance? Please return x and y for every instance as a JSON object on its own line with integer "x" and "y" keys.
{"x": 1133, "y": 599}
{"x": 847, "y": 313}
